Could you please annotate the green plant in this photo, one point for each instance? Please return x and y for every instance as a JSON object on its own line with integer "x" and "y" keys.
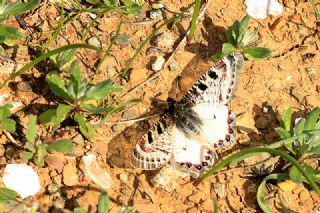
{"x": 6, "y": 122}
{"x": 103, "y": 206}
{"x": 37, "y": 150}
{"x": 241, "y": 40}
{"x": 301, "y": 140}
{"x": 197, "y": 4}
{"x": 7, "y": 33}
{"x": 80, "y": 95}
{"x": 124, "y": 7}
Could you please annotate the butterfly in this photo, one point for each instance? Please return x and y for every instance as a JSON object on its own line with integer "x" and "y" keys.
{"x": 190, "y": 130}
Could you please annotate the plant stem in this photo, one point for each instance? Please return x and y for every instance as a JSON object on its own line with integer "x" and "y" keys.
{"x": 47, "y": 55}
{"x": 153, "y": 33}
{"x": 113, "y": 40}
{"x": 86, "y": 32}
{"x": 194, "y": 20}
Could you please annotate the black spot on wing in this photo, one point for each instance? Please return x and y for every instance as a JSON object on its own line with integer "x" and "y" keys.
{"x": 213, "y": 75}
{"x": 202, "y": 86}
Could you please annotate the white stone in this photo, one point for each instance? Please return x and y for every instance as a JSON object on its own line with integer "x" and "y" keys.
{"x": 157, "y": 66}
{"x": 97, "y": 174}
{"x": 22, "y": 179}
{"x": 261, "y": 9}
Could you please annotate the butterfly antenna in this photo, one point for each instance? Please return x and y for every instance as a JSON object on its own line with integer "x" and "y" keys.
{"x": 133, "y": 120}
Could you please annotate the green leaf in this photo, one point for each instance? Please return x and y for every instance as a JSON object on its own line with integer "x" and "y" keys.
{"x": 243, "y": 27}
{"x": 26, "y": 155}
{"x": 62, "y": 112}
{"x": 59, "y": 60}
{"x": 282, "y": 132}
{"x": 217, "y": 56}
{"x": 295, "y": 175}
{"x": 256, "y": 53}
{"x": 123, "y": 106}
{"x": 248, "y": 38}
{"x": 299, "y": 127}
{"x": 57, "y": 85}
{"x": 63, "y": 146}
{"x": 5, "y": 111}
{"x": 10, "y": 33}
{"x": 9, "y": 124}
{"x": 101, "y": 90}
{"x": 75, "y": 75}
{"x": 261, "y": 190}
{"x": 79, "y": 210}
{"x": 312, "y": 119}
{"x": 55, "y": 116}
{"x": 103, "y": 205}
{"x": 85, "y": 127}
{"x": 31, "y": 129}
{"x": 93, "y": 109}
{"x": 7, "y": 194}
{"x": 30, "y": 147}
{"x": 228, "y": 48}
{"x": 286, "y": 119}
{"x": 40, "y": 155}
{"x": 19, "y": 7}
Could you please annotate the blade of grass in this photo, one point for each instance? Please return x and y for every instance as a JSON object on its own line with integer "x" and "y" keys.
{"x": 315, "y": 9}
{"x": 261, "y": 190}
{"x": 45, "y": 56}
{"x": 248, "y": 152}
{"x": 197, "y": 4}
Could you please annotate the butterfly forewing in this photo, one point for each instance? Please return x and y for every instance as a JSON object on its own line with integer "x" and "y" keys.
{"x": 216, "y": 85}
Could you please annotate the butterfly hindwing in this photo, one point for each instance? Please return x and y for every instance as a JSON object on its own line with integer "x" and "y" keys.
{"x": 154, "y": 149}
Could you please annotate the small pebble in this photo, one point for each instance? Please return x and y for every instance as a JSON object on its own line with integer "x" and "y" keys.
{"x": 155, "y": 14}
{"x": 158, "y": 64}
{"x": 24, "y": 86}
{"x": 94, "y": 41}
{"x": 53, "y": 188}
{"x": 129, "y": 114}
{"x": 122, "y": 40}
{"x": 59, "y": 203}
{"x": 165, "y": 40}
{"x": 78, "y": 139}
{"x": 173, "y": 66}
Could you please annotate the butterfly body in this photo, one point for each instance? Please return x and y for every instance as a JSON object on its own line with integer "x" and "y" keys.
{"x": 192, "y": 128}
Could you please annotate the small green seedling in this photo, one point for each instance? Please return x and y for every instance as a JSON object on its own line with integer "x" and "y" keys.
{"x": 124, "y": 7}
{"x": 80, "y": 95}
{"x": 7, "y": 33}
{"x": 103, "y": 206}
{"x": 37, "y": 150}
{"x": 6, "y": 122}
{"x": 241, "y": 40}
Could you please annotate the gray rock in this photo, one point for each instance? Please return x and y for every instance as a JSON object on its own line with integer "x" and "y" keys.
{"x": 165, "y": 40}
{"x": 122, "y": 40}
